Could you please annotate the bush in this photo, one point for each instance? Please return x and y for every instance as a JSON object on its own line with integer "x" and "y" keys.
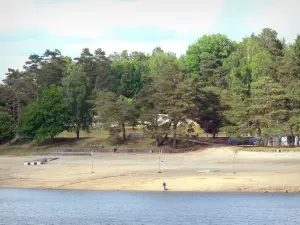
{"x": 47, "y": 117}
{"x": 114, "y": 137}
{"x": 7, "y": 127}
{"x": 115, "y": 140}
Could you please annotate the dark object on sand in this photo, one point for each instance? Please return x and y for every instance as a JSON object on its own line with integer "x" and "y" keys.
{"x": 164, "y": 185}
{"x": 39, "y": 161}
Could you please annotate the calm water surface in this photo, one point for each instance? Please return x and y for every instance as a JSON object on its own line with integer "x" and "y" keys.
{"x": 40, "y": 207}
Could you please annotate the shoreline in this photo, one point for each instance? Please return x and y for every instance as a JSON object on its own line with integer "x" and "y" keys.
{"x": 157, "y": 191}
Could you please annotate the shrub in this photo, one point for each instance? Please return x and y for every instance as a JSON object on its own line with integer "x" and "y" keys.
{"x": 7, "y": 127}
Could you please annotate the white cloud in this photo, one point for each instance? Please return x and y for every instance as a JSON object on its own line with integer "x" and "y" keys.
{"x": 16, "y": 15}
{"x": 92, "y": 18}
{"x": 281, "y": 15}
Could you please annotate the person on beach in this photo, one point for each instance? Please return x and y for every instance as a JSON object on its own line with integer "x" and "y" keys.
{"x": 164, "y": 185}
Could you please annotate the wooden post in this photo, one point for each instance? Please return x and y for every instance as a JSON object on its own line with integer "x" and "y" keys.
{"x": 234, "y": 153}
{"x": 234, "y": 162}
{"x": 159, "y": 159}
{"x": 92, "y": 162}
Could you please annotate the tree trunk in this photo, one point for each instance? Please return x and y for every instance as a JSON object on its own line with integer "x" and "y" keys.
{"x": 124, "y": 131}
{"x": 77, "y": 132}
{"x": 297, "y": 140}
{"x": 37, "y": 87}
{"x": 292, "y": 141}
{"x": 257, "y": 126}
{"x": 165, "y": 137}
{"x": 214, "y": 134}
{"x": 14, "y": 110}
{"x": 14, "y": 116}
{"x": 157, "y": 141}
{"x": 175, "y": 135}
{"x": 19, "y": 117}
{"x": 163, "y": 140}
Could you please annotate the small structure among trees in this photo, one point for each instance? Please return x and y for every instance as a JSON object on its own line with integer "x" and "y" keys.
{"x": 278, "y": 140}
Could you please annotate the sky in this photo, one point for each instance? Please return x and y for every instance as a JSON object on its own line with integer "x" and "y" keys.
{"x": 32, "y": 26}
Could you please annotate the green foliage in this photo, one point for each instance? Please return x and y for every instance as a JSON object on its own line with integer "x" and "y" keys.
{"x": 157, "y": 50}
{"x": 209, "y": 111}
{"x": 172, "y": 94}
{"x": 113, "y": 109}
{"x": 130, "y": 78}
{"x": 217, "y": 46}
{"x": 7, "y": 127}
{"x": 160, "y": 63}
{"x": 296, "y": 47}
{"x": 269, "y": 104}
{"x": 47, "y": 117}
{"x": 269, "y": 41}
{"x": 150, "y": 109}
{"x": 97, "y": 68}
{"x": 209, "y": 71}
{"x": 128, "y": 71}
{"x": 288, "y": 69}
{"x": 54, "y": 68}
{"x": 77, "y": 98}
{"x": 258, "y": 73}
{"x": 245, "y": 88}
{"x": 262, "y": 64}
{"x": 46, "y": 70}
{"x": 114, "y": 137}
{"x": 17, "y": 92}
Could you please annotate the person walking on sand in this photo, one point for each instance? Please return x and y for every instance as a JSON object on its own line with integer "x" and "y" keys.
{"x": 164, "y": 185}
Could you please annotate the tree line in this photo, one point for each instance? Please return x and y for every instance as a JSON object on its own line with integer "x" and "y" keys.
{"x": 247, "y": 87}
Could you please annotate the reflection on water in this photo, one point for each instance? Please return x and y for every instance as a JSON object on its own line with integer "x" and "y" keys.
{"x": 29, "y": 206}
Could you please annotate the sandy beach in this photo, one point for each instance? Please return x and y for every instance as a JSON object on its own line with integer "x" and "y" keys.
{"x": 211, "y": 170}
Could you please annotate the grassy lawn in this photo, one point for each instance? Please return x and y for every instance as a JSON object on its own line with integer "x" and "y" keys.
{"x": 68, "y": 140}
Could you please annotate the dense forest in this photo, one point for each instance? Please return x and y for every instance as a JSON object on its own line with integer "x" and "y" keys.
{"x": 242, "y": 88}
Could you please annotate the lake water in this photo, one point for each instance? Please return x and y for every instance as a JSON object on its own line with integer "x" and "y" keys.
{"x": 40, "y": 207}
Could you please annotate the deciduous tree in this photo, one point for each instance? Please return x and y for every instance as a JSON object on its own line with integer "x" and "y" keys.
{"x": 77, "y": 97}
{"x": 47, "y": 117}
{"x": 113, "y": 109}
